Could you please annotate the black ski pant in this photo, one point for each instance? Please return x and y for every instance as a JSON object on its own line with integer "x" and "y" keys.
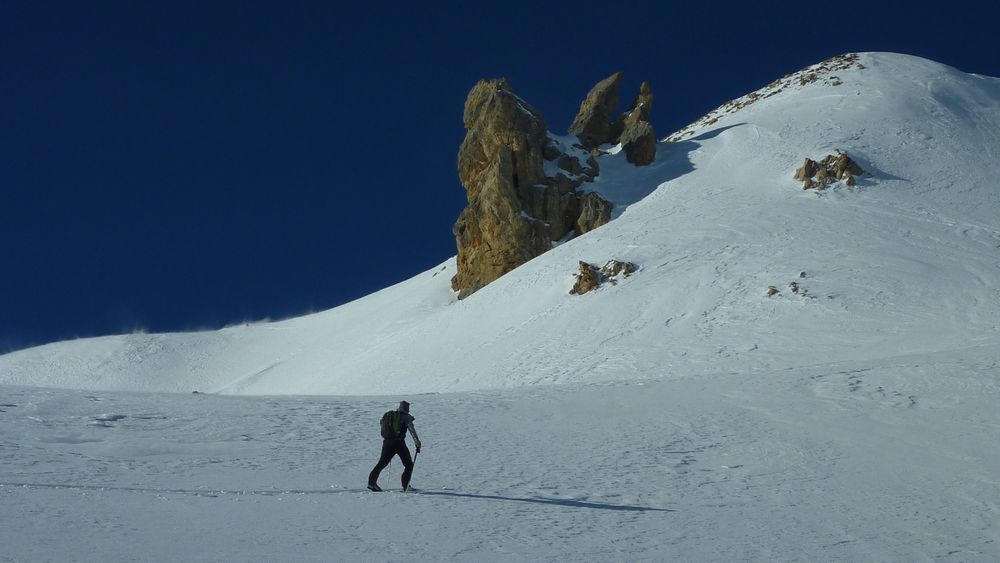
{"x": 392, "y": 448}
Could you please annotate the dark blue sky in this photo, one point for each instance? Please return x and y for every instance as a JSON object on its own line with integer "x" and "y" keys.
{"x": 176, "y": 166}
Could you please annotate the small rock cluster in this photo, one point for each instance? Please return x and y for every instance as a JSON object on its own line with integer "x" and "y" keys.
{"x": 817, "y": 175}
{"x": 793, "y": 288}
{"x": 823, "y": 72}
{"x": 590, "y": 277}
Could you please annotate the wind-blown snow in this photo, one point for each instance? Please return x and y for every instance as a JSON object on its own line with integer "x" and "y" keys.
{"x": 694, "y": 417}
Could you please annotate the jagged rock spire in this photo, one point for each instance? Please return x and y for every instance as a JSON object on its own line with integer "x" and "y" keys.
{"x": 594, "y": 126}
{"x": 638, "y": 138}
{"x": 593, "y": 122}
{"x": 515, "y": 211}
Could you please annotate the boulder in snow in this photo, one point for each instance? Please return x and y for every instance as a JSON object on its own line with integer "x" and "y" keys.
{"x": 590, "y": 277}
{"x": 833, "y": 168}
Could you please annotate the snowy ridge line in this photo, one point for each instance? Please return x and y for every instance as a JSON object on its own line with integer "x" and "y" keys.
{"x": 821, "y": 73}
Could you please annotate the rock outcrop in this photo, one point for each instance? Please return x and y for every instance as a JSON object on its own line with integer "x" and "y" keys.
{"x": 594, "y": 125}
{"x": 833, "y": 168}
{"x": 494, "y": 116}
{"x": 638, "y": 138}
{"x": 522, "y": 182}
{"x": 642, "y": 105}
{"x": 614, "y": 268}
{"x": 795, "y": 289}
{"x": 594, "y": 212}
{"x": 493, "y": 232}
{"x": 639, "y": 143}
{"x": 590, "y": 277}
{"x": 521, "y": 187}
{"x": 587, "y": 279}
{"x": 593, "y": 122}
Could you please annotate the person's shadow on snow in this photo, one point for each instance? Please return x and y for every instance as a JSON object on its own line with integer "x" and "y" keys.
{"x": 551, "y": 501}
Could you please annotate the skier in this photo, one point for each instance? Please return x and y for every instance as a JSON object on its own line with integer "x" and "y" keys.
{"x": 394, "y": 426}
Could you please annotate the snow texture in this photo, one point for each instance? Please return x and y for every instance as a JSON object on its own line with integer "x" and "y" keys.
{"x": 678, "y": 415}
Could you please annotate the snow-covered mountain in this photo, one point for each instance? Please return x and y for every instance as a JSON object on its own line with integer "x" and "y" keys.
{"x": 905, "y": 262}
{"x": 681, "y": 414}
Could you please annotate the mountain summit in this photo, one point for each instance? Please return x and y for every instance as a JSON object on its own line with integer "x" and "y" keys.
{"x": 738, "y": 268}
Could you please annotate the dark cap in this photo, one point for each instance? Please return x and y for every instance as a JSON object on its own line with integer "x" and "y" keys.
{"x": 404, "y": 406}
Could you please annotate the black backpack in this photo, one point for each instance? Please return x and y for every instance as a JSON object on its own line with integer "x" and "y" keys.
{"x": 392, "y": 425}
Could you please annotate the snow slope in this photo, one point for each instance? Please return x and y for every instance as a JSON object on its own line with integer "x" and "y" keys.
{"x": 680, "y": 415}
{"x": 906, "y": 262}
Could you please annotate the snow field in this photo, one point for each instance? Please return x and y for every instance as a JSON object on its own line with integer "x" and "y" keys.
{"x": 848, "y": 461}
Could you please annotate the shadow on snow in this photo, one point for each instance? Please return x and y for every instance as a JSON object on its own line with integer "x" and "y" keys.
{"x": 673, "y": 160}
{"x": 551, "y": 501}
{"x": 214, "y": 493}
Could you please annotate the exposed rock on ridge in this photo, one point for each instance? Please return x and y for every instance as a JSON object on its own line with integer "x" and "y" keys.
{"x": 642, "y": 106}
{"x": 522, "y": 182}
{"x": 590, "y": 278}
{"x": 638, "y": 138}
{"x": 594, "y": 126}
{"x": 521, "y": 186}
{"x": 587, "y": 279}
{"x": 593, "y": 122}
{"x": 821, "y": 74}
{"x": 594, "y": 212}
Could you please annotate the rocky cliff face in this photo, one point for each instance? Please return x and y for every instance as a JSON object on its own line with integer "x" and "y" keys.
{"x": 521, "y": 181}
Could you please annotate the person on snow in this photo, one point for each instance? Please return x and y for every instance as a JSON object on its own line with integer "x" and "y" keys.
{"x": 394, "y": 426}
